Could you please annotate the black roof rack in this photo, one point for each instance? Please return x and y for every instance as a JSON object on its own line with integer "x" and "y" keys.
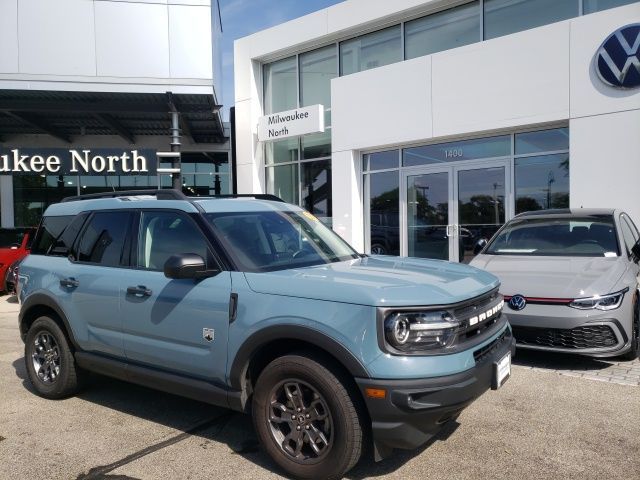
{"x": 257, "y": 196}
{"x": 163, "y": 194}
{"x": 167, "y": 194}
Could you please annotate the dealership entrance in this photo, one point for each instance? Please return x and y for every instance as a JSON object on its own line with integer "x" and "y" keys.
{"x": 442, "y": 200}
{"x": 450, "y": 209}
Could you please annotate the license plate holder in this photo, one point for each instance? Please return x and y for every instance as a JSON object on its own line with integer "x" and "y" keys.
{"x": 501, "y": 371}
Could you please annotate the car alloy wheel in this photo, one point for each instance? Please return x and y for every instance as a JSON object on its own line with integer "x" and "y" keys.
{"x": 46, "y": 357}
{"x": 300, "y": 421}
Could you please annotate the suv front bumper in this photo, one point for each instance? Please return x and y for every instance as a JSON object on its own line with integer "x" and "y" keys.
{"x": 413, "y": 411}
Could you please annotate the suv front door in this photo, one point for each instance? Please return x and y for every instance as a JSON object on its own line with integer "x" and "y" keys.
{"x": 175, "y": 325}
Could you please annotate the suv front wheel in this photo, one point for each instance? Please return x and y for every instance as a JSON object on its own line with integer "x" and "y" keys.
{"x": 306, "y": 419}
{"x": 49, "y": 360}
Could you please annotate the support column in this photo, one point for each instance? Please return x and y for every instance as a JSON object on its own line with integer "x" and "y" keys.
{"x": 175, "y": 147}
{"x": 6, "y": 200}
{"x": 346, "y": 184}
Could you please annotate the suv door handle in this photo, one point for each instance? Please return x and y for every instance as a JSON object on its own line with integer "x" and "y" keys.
{"x": 139, "y": 291}
{"x": 69, "y": 282}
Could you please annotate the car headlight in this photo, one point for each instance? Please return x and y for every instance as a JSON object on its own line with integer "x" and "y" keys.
{"x": 604, "y": 302}
{"x": 420, "y": 331}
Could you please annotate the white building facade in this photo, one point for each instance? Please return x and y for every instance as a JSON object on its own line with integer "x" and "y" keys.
{"x": 444, "y": 119}
{"x": 104, "y": 77}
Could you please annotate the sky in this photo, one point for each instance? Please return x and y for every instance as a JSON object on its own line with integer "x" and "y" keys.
{"x": 244, "y": 17}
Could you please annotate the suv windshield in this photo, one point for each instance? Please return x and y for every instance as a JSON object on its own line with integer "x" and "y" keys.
{"x": 569, "y": 236}
{"x": 271, "y": 240}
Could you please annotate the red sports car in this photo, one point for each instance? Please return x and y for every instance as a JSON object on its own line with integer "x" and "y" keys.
{"x": 14, "y": 245}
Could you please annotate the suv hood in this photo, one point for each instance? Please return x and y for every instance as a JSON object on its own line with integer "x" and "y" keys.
{"x": 378, "y": 281}
{"x": 554, "y": 277}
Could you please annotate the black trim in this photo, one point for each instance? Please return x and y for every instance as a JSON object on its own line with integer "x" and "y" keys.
{"x": 40, "y": 299}
{"x": 163, "y": 194}
{"x": 267, "y": 335}
{"x": 159, "y": 380}
{"x": 234, "y": 147}
{"x": 233, "y": 307}
{"x": 413, "y": 411}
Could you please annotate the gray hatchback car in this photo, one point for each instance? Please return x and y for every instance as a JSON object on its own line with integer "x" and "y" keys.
{"x": 570, "y": 280}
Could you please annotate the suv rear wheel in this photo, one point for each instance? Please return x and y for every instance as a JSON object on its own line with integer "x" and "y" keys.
{"x": 306, "y": 419}
{"x": 50, "y": 364}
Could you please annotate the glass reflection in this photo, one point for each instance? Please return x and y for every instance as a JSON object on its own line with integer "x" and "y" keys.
{"x": 428, "y": 215}
{"x": 542, "y": 141}
{"x": 316, "y": 188}
{"x": 384, "y": 216}
{"x": 542, "y": 182}
{"x": 370, "y": 51}
{"x": 503, "y": 17}
{"x": 282, "y": 181}
{"x": 481, "y": 212}
{"x": 441, "y": 31}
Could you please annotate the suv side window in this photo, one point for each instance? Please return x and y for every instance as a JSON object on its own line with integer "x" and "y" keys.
{"x": 103, "y": 239}
{"x": 164, "y": 233}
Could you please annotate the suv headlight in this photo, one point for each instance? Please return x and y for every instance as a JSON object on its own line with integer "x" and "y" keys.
{"x": 420, "y": 331}
{"x": 604, "y": 302}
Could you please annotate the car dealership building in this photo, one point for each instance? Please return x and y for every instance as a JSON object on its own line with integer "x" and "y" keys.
{"x": 418, "y": 127}
{"x": 93, "y": 93}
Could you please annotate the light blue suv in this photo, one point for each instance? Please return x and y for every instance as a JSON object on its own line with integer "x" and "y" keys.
{"x": 253, "y": 304}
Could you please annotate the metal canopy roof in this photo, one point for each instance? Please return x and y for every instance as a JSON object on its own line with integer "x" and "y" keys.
{"x": 65, "y": 115}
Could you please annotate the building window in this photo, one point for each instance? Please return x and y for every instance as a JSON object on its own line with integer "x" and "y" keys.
{"x": 384, "y": 212}
{"x": 455, "y": 151}
{"x": 542, "y": 175}
{"x": 591, "y": 6}
{"x": 442, "y": 31}
{"x": 317, "y": 69}
{"x": 298, "y": 169}
{"x": 504, "y": 17}
{"x": 537, "y": 160}
{"x": 32, "y": 194}
{"x": 280, "y": 85}
{"x": 370, "y": 51}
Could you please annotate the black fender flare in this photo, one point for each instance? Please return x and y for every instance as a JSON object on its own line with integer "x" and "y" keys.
{"x": 42, "y": 299}
{"x": 302, "y": 333}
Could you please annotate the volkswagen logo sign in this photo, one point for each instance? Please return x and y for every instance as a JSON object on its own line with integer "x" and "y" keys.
{"x": 517, "y": 302}
{"x": 618, "y": 59}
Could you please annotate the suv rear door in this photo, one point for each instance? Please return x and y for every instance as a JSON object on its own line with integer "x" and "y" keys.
{"x": 90, "y": 282}
{"x": 176, "y": 325}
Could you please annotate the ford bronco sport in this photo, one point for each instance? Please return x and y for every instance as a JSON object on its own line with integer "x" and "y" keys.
{"x": 253, "y": 304}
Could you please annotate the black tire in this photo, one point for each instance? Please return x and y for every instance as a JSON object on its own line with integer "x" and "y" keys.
{"x": 635, "y": 334}
{"x": 340, "y": 448}
{"x": 50, "y": 363}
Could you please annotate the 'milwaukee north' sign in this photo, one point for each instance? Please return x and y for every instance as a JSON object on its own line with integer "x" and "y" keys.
{"x": 60, "y": 161}
{"x": 292, "y": 123}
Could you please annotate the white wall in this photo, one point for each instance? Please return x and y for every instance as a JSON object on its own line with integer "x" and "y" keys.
{"x": 538, "y": 77}
{"x": 114, "y": 45}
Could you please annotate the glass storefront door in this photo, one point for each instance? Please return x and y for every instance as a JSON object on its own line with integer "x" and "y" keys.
{"x": 450, "y": 211}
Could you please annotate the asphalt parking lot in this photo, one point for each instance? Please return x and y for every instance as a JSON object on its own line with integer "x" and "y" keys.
{"x": 556, "y": 417}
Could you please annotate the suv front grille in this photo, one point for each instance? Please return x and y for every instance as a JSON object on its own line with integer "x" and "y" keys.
{"x": 593, "y": 336}
{"x": 482, "y": 353}
{"x": 476, "y": 307}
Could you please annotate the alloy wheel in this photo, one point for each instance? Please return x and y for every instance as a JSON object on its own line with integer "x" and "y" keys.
{"x": 300, "y": 421}
{"x": 46, "y": 357}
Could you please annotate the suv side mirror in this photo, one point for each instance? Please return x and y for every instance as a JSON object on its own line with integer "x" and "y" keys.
{"x": 480, "y": 244}
{"x": 187, "y": 265}
{"x": 635, "y": 252}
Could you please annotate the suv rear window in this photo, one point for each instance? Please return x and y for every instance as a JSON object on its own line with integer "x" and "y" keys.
{"x": 569, "y": 236}
{"x": 50, "y": 230}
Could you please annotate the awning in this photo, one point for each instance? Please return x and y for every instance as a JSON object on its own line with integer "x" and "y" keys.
{"x": 65, "y": 115}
